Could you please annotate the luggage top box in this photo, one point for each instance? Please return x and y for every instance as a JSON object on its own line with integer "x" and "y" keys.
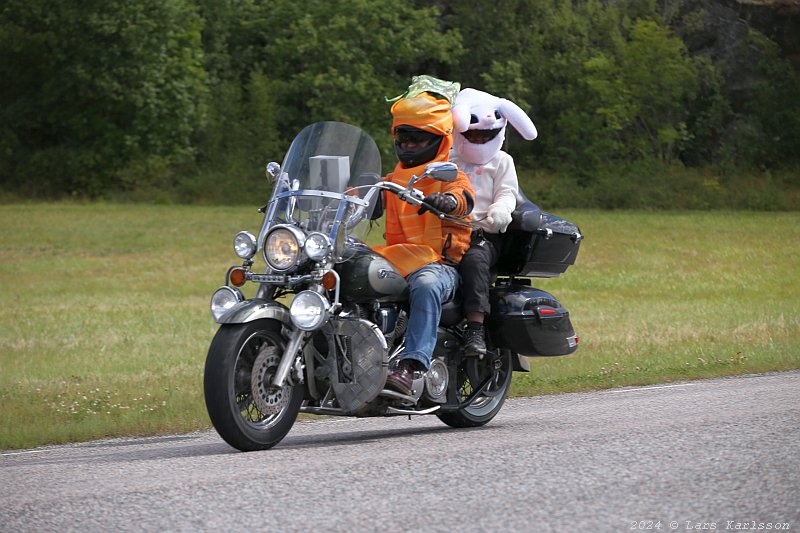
{"x": 538, "y": 244}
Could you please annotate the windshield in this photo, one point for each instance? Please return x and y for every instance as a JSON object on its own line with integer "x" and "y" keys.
{"x": 323, "y": 181}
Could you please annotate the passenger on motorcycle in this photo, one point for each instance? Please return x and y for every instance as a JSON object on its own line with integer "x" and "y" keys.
{"x": 423, "y": 247}
{"x": 480, "y": 120}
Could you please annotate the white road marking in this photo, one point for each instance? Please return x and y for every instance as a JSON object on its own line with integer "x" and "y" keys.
{"x": 651, "y": 388}
{"x": 21, "y": 453}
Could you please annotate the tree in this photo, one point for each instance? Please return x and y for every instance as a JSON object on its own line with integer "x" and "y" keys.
{"x": 765, "y": 130}
{"x": 643, "y": 87}
{"x": 337, "y": 60}
{"x": 314, "y": 60}
{"x": 539, "y": 61}
{"x": 97, "y": 89}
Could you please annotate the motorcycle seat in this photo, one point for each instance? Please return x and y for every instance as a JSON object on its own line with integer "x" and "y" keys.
{"x": 452, "y": 312}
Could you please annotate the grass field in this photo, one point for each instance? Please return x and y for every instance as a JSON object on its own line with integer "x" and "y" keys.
{"x": 104, "y": 320}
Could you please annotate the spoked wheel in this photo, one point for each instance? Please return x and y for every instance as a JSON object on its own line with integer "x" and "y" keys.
{"x": 247, "y": 411}
{"x": 486, "y": 383}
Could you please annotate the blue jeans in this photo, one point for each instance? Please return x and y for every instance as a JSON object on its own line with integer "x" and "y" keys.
{"x": 429, "y": 287}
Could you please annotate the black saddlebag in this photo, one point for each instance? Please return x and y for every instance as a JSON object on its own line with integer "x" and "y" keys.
{"x": 530, "y": 321}
{"x": 538, "y": 244}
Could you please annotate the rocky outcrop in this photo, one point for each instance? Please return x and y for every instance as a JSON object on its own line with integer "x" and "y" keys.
{"x": 778, "y": 19}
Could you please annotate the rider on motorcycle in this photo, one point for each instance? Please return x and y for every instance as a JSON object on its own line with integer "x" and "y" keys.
{"x": 423, "y": 247}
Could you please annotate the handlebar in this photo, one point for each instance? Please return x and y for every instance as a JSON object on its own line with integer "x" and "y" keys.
{"x": 416, "y": 198}
{"x": 409, "y": 195}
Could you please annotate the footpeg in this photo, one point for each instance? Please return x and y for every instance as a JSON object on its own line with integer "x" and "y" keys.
{"x": 397, "y": 396}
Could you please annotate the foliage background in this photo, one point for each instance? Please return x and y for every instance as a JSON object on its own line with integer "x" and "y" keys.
{"x": 639, "y": 103}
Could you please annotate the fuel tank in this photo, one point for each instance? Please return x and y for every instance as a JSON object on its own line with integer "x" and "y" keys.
{"x": 369, "y": 276}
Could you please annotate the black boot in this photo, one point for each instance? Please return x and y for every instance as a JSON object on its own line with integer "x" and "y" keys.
{"x": 475, "y": 345}
{"x": 401, "y": 379}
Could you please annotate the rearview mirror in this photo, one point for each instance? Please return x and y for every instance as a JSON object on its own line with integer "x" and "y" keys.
{"x": 442, "y": 171}
{"x": 273, "y": 170}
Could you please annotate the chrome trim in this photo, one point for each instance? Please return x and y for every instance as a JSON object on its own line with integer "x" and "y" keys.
{"x": 394, "y": 411}
{"x": 268, "y": 278}
{"x": 336, "y": 304}
{"x": 273, "y": 169}
{"x": 233, "y": 291}
{"x": 322, "y": 194}
{"x": 282, "y": 279}
{"x": 333, "y": 411}
{"x": 255, "y": 309}
{"x": 299, "y": 236}
{"x": 327, "y": 245}
{"x": 397, "y": 396}
{"x": 326, "y": 308}
{"x": 287, "y": 359}
{"x": 251, "y": 242}
{"x": 390, "y": 411}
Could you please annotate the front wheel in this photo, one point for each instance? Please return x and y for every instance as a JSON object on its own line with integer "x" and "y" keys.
{"x": 245, "y": 409}
{"x": 492, "y": 377}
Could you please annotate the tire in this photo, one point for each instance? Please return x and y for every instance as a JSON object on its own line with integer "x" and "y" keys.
{"x": 472, "y": 372}
{"x": 228, "y": 385}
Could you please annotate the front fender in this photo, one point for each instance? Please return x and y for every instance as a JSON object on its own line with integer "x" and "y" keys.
{"x": 256, "y": 309}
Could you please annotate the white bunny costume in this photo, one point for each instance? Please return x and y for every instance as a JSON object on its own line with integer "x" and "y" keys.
{"x": 480, "y": 124}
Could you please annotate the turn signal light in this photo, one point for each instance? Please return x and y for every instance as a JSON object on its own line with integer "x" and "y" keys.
{"x": 329, "y": 280}
{"x": 237, "y": 277}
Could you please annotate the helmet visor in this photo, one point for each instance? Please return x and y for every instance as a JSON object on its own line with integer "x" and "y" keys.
{"x": 407, "y": 134}
{"x": 415, "y": 147}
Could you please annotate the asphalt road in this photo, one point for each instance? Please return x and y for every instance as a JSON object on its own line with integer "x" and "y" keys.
{"x": 721, "y": 455}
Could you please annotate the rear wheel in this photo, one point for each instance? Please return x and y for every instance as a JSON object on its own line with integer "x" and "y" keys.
{"x": 488, "y": 380}
{"x": 246, "y": 410}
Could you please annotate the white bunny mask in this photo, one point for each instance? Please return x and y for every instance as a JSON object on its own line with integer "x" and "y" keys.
{"x": 477, "y": 110}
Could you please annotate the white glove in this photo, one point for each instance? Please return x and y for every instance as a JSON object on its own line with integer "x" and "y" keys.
{"x": 498, "y": 218}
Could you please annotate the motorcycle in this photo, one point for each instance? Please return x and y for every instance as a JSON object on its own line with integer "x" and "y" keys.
{"x": 327, "y": 323}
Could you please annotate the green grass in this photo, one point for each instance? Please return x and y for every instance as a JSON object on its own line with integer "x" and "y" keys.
{"x": 666, "y": 296}
{"x": 104, "y": 320}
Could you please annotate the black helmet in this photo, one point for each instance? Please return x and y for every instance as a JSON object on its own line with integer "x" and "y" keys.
{"x": 417, "y": 155}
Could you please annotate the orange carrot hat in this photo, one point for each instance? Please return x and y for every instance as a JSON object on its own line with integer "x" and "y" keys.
{"x": 425, "y": 112}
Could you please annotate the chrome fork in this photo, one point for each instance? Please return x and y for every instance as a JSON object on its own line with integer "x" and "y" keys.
{"x": 292, "y": 347}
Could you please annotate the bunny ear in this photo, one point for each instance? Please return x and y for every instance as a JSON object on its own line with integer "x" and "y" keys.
{"x": 519, "y": 119}
{"x": 461, "y": 117}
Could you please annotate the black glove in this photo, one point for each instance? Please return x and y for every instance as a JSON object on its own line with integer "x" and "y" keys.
{"x": 443, "y": 202}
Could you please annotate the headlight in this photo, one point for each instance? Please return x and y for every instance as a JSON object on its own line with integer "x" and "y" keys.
{"x": 282, "y": 247}
{"x": 244, "y": 244}
{"x": 317, "y": 246}
{"x": 309, "y": 310}
{"x": 223, "y": 300}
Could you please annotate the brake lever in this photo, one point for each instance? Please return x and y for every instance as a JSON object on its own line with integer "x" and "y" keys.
{"x": 435, "y": 212}
{"x": 414, "y": 197}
